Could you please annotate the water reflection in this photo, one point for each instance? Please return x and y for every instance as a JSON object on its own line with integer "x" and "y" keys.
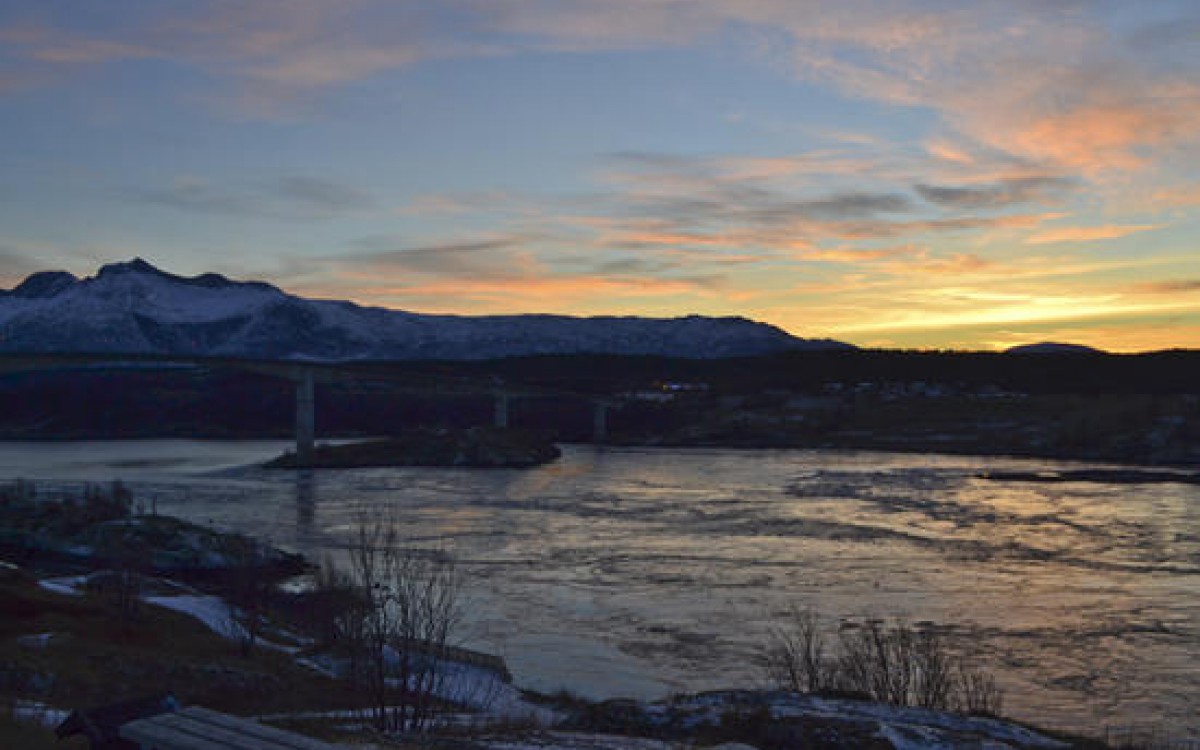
{"x": 306, "y": 499}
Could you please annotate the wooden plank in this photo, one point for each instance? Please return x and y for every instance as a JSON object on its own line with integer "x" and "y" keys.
{"x": 144, "y": 732}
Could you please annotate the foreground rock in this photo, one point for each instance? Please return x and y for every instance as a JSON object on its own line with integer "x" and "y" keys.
{"x": 477, "y": 447}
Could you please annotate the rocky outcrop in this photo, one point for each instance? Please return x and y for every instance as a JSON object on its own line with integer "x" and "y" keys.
{"x": 479, "y": 447}
{"x": 101, "y": 529}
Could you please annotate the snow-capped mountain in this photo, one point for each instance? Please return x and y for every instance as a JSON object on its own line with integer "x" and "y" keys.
{"x": 134, "y": 308}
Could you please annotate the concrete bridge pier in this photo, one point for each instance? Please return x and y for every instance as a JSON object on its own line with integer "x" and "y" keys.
{"x": 306, "y": 417}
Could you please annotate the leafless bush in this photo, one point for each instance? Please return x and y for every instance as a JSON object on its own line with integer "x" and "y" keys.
{"x": 795, "y": 654}
{"x": 934, "y": 685}
{"x": 876, "y": 660}
{"x": 977, "y": 692}
{"x": 399, "y": 638}
{"x": 891, "y": 663}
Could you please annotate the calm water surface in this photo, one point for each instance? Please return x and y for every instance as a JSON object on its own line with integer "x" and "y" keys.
{"x": 642, "y": 572}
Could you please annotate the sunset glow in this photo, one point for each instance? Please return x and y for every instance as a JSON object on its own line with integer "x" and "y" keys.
{"x": 917, "y": 173}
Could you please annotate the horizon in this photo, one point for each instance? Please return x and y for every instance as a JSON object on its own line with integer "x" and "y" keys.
{"x": 917, "y": 175}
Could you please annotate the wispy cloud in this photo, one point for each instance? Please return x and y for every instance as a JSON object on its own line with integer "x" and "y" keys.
{"x": 274, "y": 56}
{"x": 1007, "y": 192}
{"x": 1181, "y": 196}
{"x": 563, "y": 294}
{"x": 1087, "y": 234}
{"x": 56, "y": 45}
{"x": 718, "y": 201}
{"x": 435, "y": 204}
{"x": 504, "y": 273}
{"x": 195, "y": 194}
{"x": 323, "y": 195}
{"x": 1054, "y": 82}
{"x": 1172, "y": 287}
{"x": 288, "y": 197}
{"x": 1061, "y": 83}
{"x": 496, "y": 258}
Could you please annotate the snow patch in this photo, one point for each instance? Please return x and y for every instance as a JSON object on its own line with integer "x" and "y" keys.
{"x": 217, "y": 615}
{"x": 33, "y": 712}
{"x": 68, "y": 586}
{"x": 35, "y": 640}
{"x": 210, "y": 610}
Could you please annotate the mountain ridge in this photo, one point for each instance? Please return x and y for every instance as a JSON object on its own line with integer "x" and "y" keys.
{"x": 1053, "y": 347}
{"x": 133, "y": 307}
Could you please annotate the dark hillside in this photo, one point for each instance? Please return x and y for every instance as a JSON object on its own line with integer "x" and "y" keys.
{"x": 1137, "y": 408}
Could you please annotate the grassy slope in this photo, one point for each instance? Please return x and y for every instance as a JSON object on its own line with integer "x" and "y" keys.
{"x": 96, "y": 658}
{"x": 19, "y": 734}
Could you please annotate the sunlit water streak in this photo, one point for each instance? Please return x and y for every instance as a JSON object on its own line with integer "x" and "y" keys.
{"x": 640, "y": 572}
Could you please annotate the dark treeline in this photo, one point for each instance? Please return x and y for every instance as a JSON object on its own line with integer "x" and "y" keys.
{"x": 550, "y": 393}
{"x": 1159, "y": 373}
{"x": 178, "y": 402}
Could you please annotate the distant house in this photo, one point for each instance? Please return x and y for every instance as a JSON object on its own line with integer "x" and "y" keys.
{"x": 195, "y": 728}
{"x": 674, "y": 387}
{"x": 102, "y": 725}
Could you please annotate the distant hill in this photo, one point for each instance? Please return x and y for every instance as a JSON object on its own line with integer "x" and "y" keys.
{"x": 1051, "y": 347}
{"x": 135, "y": 308}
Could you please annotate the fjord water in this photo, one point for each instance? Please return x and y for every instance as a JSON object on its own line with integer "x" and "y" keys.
{"x": 638, "y": 572}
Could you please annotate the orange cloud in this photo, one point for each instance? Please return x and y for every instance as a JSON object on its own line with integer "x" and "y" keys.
{"x": 858, "y": 255}
{"x": 957, "y": 264}
{"x": 1177, "y": 196}
{"x": 1088, "y": 234}
{"x": 1094, "y": 138}
{"x": 670, "y": 239}
{"x": 1175, "y": 286}
{"x": 564, "y": 294}
{"x": 950, "y": 152}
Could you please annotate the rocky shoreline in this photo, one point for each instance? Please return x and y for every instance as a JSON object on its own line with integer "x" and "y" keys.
{"x": 102, "y": 528}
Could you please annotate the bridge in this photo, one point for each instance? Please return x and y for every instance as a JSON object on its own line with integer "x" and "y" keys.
{"x": 305, "y": 374}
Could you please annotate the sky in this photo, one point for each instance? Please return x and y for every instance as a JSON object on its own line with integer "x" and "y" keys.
{"x": 932, "y": 174}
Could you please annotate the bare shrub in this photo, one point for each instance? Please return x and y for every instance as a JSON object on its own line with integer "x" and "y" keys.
{"x": 977, "y": 692}
{"x": 934, "y": 685}
{"x": 876, "y": 660}
{"x": 400, "y": 637}
{"x": 891, "y": 663}
{"x": 795, "y": 655}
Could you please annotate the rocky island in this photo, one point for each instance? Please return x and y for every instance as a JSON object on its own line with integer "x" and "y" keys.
{"x": 479, "y": 447}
